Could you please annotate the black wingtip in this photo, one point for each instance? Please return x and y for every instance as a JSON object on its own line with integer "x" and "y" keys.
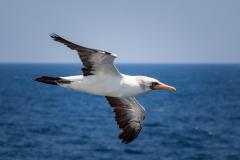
{"x": 54, "y": 36}
{"x": 126, "y": 141}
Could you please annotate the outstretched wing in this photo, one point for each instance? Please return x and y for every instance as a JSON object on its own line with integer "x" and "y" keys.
{"x": 129, "y": 115}
{"x": 95, "y": 61}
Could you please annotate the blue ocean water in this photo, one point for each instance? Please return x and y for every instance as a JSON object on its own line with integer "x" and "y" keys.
{"x": 201, "y": 121}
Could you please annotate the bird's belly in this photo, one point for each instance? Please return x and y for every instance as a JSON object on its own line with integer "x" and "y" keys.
{"x": 104, "y": 86}
{"x": 107, "y": 90}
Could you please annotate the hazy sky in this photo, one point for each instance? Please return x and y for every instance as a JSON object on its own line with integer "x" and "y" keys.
{"x": 169, "y": 31}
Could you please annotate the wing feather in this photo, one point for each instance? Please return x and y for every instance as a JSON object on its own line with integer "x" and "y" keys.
{"x": 95, "y": 61}
{"x": 129, "y": 115}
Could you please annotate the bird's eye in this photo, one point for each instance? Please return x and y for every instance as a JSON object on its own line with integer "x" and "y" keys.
{"x": 153, "y": 85}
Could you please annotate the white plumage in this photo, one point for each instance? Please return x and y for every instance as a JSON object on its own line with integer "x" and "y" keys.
{"x": 107, "y": 85}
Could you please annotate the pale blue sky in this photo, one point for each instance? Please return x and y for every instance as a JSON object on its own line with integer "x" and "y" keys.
{"x": 138, "y": 31}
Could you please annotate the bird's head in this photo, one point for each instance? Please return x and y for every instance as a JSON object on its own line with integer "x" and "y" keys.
{"x": 148, "y": 84}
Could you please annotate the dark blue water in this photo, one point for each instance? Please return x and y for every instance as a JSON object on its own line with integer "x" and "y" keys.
{"x": 200, "y": 121}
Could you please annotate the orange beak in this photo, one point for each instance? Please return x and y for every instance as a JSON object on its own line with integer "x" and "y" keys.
{"x": 165, "y": 87}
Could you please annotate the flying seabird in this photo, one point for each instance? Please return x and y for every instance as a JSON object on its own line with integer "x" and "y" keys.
{"x": 101, "y": 77}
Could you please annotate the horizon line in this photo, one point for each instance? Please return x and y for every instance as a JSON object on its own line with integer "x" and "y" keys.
{"x": 146, "y": 63}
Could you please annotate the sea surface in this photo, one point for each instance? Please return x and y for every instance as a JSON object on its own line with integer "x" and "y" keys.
{"x": 201, "y": 121}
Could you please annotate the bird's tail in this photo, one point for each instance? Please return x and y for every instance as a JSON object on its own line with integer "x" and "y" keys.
{"x": 52, "y": 80}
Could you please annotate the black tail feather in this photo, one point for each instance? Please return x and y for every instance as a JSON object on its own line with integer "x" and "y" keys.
{"x": 52, "y": 80}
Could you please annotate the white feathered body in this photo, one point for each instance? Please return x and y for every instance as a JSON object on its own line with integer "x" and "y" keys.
{"x": 107, "y": 85}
